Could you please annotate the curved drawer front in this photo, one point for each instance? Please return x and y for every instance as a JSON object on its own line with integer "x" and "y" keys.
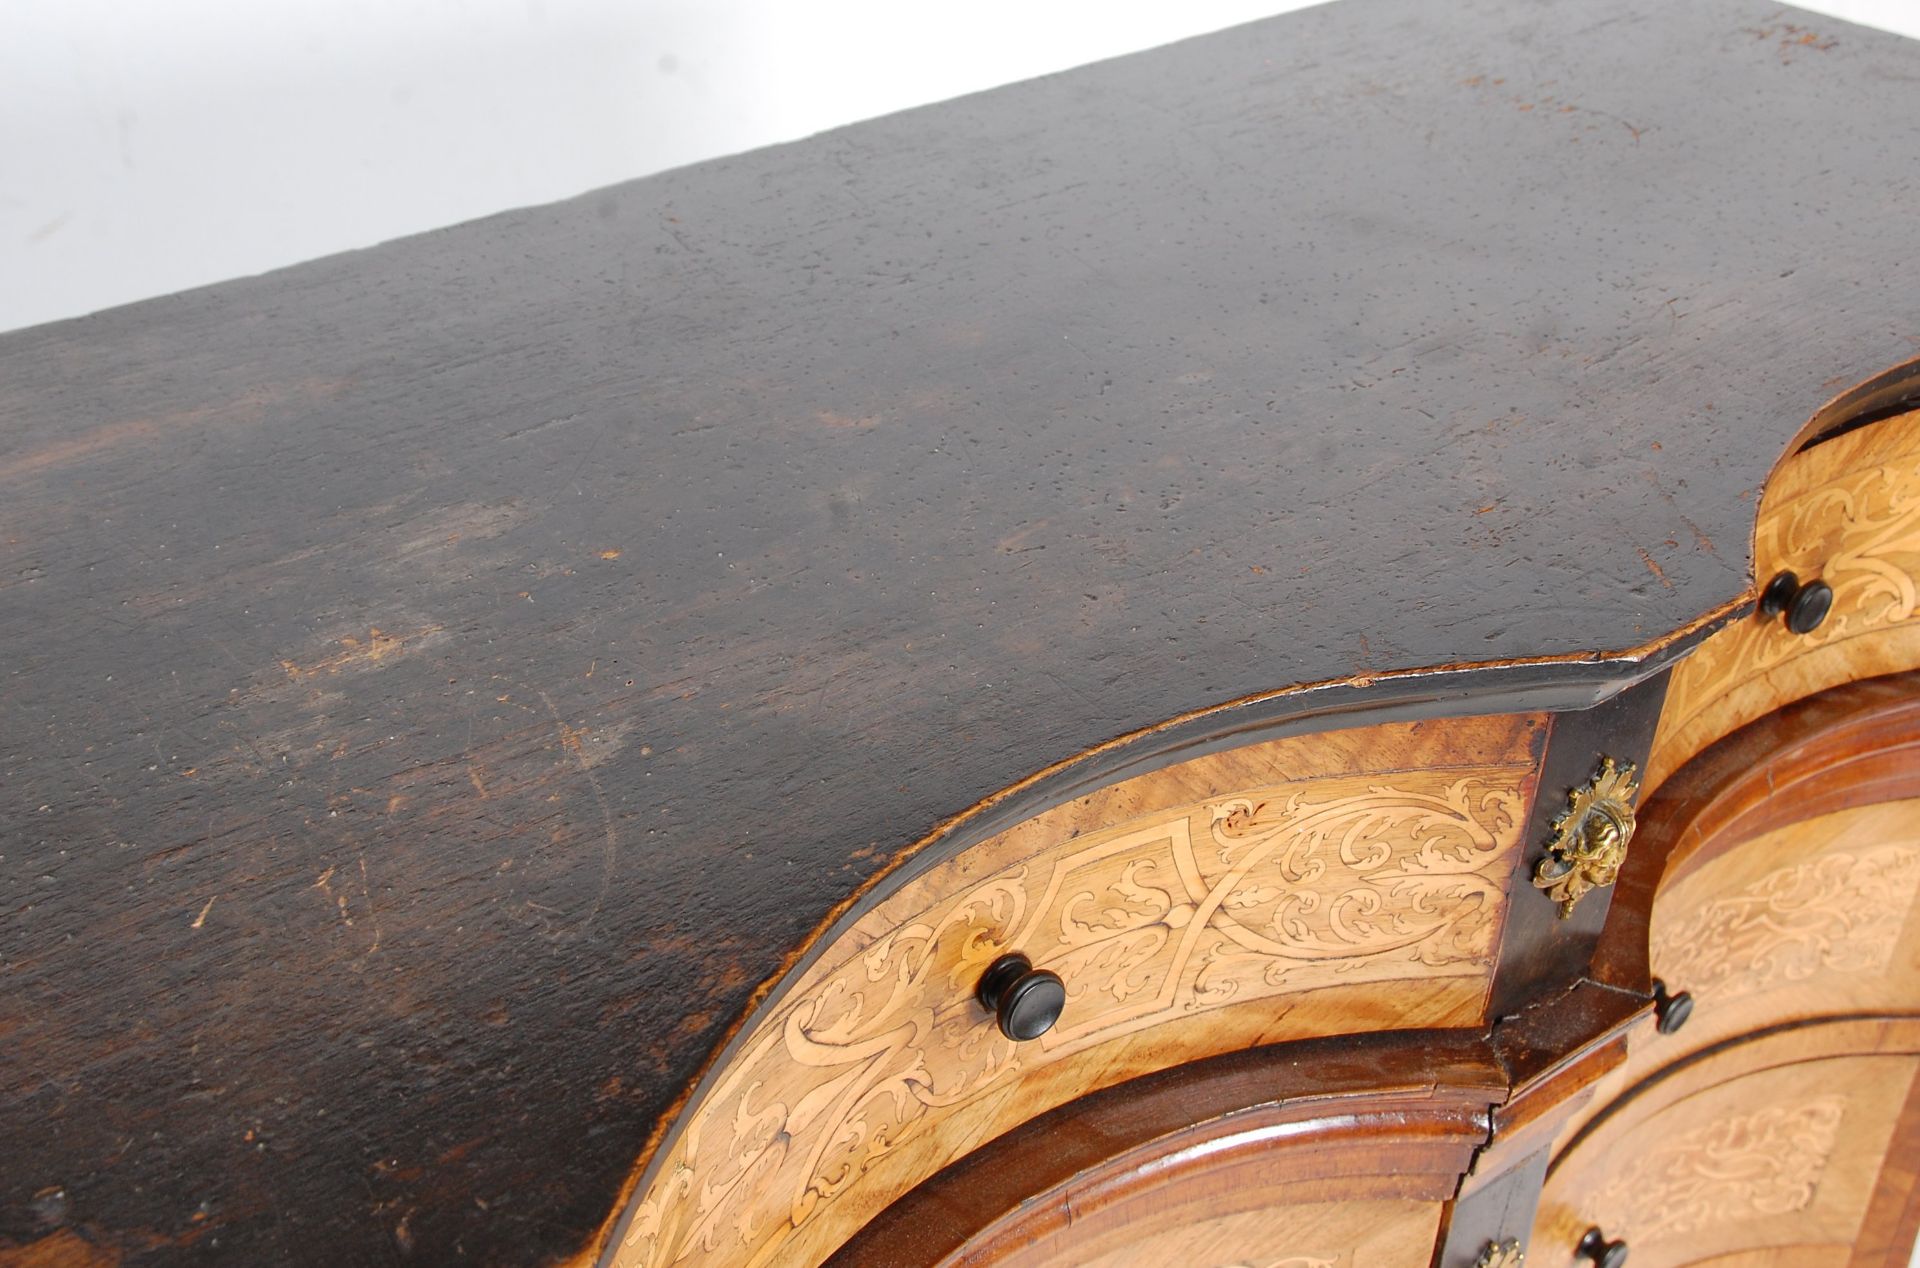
{"x": 1846, "y": 512}
{"x": 1307, "y": 1179}
{"x": 1774, "y": 1145}
{"x": 1814, "y": 919}
{"x": 1299, "y": 887}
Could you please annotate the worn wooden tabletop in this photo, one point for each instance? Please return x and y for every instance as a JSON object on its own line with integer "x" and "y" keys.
{"x": 440, "y": 683}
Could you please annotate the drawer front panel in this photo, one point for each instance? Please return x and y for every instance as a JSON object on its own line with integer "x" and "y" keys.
{"x": 1846, "y": 512}
{"x": 1300, "y": 887}
{"x": 1814, "y": 919}
{"x": 1767, "y": 1145}
{"x": 1780, "y": 879}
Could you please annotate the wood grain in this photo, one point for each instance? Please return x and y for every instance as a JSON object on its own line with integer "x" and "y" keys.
{"x": 734, "y": 535}
{"x": 1561, "y": 1054}
{"x": 1890, "y": 1232}
{"x": 1815, "y": 918}
{"x": 1308, "y": 1235}
{"x": 1792, "y": 1256}
{"x": 1542, "y": 947}
{"x": 1488, "y": 1222}
{"x": 1846, "y": 511}
{"x": 1840, "y": 749}
{"x": 1298, "y": 1170}
{"x": 1773, "y": 878}
{"x": 1364, "y": 897}
{"x": 1775, "y": 1142}
{"x": 1388, "y": 1117}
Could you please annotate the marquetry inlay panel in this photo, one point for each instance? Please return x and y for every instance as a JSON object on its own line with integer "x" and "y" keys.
{"x": 1354, "y": 881}
{"x": 1846, "y": 512}
{"x": 1768, "y": 1162}
{"x": 1840, "y": 913}
{"x": 1812, "y": 919}
{"x": 1747, "y": 1150}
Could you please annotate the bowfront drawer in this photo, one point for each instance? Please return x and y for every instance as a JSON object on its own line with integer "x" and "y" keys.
{"x": 1342, "y": 1154}
{"x": 1767, "y": 1152}
{"x": 1778, "y": 880}
{"x": 1845, "y": 515}
{"x": 1812, "y": 919}
{"x": 1326, "y": 1235}
{"x": 1330, "y": 884}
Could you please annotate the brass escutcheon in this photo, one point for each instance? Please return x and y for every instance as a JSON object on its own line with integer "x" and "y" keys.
{"x": 1590, "y": 837}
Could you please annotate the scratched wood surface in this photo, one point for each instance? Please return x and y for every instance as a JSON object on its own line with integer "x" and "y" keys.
{"x": 440, "y": 684}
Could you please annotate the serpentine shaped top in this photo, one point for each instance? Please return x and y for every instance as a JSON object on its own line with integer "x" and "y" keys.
{"x": 440, "y": 683}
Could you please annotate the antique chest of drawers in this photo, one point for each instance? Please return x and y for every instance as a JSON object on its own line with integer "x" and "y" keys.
{"x": 1300, "y": 650}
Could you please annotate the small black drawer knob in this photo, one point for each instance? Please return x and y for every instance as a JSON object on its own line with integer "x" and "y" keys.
{"x": 1606, "y": 1254}
{"x": 1670, "y": 1011}
{"x": 1025, "y": 1000}
{"x": 1805, "y": 606}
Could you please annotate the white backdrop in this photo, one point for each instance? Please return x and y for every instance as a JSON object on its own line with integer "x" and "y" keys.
{"x": 151, "y": 145}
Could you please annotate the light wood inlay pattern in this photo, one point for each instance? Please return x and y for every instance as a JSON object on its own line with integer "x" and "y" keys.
{"x": 1815, "y": 919}
{"x": 1840, "y": 912}
{"x": 1810, "y": 920}
{"x": 1786, "y": 1257}
{"x": 1847, "y": 512}
{"x": 1319, "y": 885}
{"x": 1767, "y": 1144}
{"x": 1767, "y": 1162}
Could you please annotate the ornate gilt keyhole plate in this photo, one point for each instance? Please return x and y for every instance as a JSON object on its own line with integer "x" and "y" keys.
{"x": 1590, "y": 837}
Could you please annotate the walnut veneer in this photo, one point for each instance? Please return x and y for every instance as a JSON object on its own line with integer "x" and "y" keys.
{"x": 518, "y": 745}
{"x": 1356, "y": 881}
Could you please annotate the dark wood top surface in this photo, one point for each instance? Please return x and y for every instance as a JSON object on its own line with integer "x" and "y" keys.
{"x": 438, "y": 684}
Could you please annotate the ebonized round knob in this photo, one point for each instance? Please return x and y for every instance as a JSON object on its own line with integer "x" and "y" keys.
{"x": 1805, "y": 606}
{"x": 1025, "y": 1000}
{"x": 1809, "y": 606}
{"x": 1670, "y": 1012}
{"x": 1606, "y": 1254}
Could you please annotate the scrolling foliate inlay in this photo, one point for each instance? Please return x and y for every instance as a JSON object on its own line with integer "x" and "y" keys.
{"x": 1272, "y": 892}
{"x": 1741, "y": 1167}
{"x": 1838, "y": 913}
{"x": 1858, "y": 531}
